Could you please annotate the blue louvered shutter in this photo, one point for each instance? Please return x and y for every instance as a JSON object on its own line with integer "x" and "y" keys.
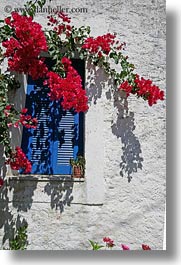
{"x": 37, "y": 144}
{"x": 59, "y": 135}
{"x": 66, "y": 139}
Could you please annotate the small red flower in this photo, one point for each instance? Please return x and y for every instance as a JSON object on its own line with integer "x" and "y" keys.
{"x": 145, "y": 247}
{"x": 66, "y": 61}
{"x": 125, "y": 86}
{"x": 8, "y": 107}
{"x": 1, "y": 182}
{"x": 24, "y": 110}
{"x": 7, "y": 20}
{"x": 109, "y": 242}
{"x": 125, "y": 247}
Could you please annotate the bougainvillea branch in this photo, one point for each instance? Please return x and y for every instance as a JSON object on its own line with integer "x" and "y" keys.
{"x": 24, "y": 41}
{"x": 18, "y": 160}
{"x": 24, "y": 48}
{"x": 69, "y": 88}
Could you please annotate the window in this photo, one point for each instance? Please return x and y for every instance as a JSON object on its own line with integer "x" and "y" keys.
{"x": 59, "y": 135}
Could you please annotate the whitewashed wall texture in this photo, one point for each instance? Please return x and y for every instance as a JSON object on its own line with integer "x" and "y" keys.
{"x": 123, "y": 195}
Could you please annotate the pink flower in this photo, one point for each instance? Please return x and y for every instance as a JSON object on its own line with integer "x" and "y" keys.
{"x": 109, "y": 242}
{"x": 10, "y": 124}
{"x": 125, "y": 247}
{"x": 6, "y": 113}
{"x": 16, "y": 125}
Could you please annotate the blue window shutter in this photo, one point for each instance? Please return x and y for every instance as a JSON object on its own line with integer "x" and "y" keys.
{"x": 59, "y": 135}
{"x": 37, "y": 144}
{"x": 66, "y": 140}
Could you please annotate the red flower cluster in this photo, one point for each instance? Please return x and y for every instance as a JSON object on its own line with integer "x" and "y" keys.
{"x": 145, "y": 247}
{"x": 148, "y": 91}
{"x": 126, "y": 87}
{"x": 25, "y": 120}
{"x": 109, "y": 242}
{"x": 60, "y": 23}
{"x": 23, "y": 50}
{"x": 69, "y": 89}
{"x": 144, "y": 88}
{"x": 1, "y": 182}
{"x": 101, "y": 44}
{"x": 18, "y": 160}
{"x": 7, "y": 110}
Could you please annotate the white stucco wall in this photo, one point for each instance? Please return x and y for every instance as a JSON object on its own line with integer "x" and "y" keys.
{"x": 123, "y": 195}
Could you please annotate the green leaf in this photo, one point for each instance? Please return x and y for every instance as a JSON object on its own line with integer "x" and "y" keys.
{"x": 95, "y": 245}
{"x": 81, "y": 56}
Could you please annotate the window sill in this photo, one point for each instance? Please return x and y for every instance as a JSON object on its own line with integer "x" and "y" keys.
{"x": 45, "y": 178}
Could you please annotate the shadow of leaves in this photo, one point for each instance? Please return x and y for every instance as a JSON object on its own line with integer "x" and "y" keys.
{"x": 123, "y": 128}
{"x": 60, "y": 194}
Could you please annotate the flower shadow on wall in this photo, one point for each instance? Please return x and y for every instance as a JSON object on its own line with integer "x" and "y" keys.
{"x": 60, "y": 194}
{"x": 123, "y": 128}
{"x": 23, "y": 192}
{"x": 8, "y": 221}
{"x": 95, "y": 82}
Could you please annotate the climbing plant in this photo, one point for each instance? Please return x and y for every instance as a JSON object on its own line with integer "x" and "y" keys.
{"x": 23, "y": 43}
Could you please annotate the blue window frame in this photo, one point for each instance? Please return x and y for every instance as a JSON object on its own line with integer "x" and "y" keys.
{"x": 59, "y": 135}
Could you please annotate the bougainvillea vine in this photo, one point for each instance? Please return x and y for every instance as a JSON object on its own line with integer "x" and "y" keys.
{"x": 24, "y": 41}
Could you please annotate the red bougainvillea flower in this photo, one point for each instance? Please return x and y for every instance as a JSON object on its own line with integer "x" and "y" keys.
{"x": 64, "y": 17}
{"x": 145, "y": 247}
{"x": 24, "y": 119}
{"x": 1, "y": 182}
{"x": 109, "y": 242}
{"x": 69, "y": 89}
{"x": 100, "y": 43}
{"x": 28, "y": 122}
{"x": 24, "y": 48}
{"x": 125, "y": 247}
{"x": 18, "y": 160}
{"x": 7, "y": 110}
{"x": 148, "y": 91}
{"x": 8, "y": 107}
{"x": 66, "y": 62}
{"x": 126, "y": 87}
{"x": 60, "y": 23}
{"x": 24, "y": 110}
